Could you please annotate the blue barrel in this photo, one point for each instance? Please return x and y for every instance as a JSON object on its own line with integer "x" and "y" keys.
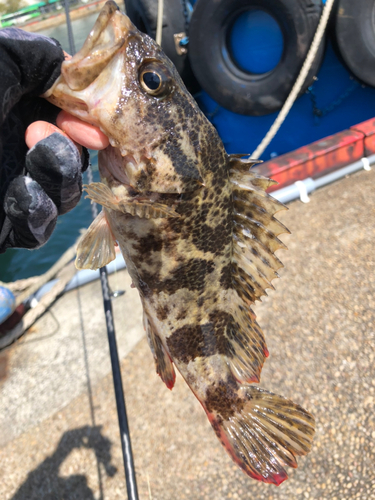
{"x": 7, "y": 303}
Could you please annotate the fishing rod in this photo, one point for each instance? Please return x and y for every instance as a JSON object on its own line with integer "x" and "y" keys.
{"x": 127, "y": 454}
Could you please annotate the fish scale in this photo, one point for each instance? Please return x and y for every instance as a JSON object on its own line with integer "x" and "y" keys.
{"x": 198, "y": 234}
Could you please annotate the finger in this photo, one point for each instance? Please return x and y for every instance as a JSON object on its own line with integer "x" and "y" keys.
{"x": 38, "y": 131}
{"x": 56, "y": 165}
{"x": 89, "y": 136}
{"x": 31, "y": 212}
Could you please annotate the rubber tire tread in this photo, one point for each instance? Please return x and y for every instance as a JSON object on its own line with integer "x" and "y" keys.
{"x": 353, "y": 30}
{"x": 144, "y": 14}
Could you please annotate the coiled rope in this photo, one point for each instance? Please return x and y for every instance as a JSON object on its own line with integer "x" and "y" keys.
{"x": 159, "y": 25}
{"x": 299, "y": 82}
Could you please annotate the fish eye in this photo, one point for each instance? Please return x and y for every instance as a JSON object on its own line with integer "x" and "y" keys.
{"x": 153, "y": 80}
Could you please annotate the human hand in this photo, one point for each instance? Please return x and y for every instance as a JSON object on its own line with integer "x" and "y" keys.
{"x": 36, "y": 185}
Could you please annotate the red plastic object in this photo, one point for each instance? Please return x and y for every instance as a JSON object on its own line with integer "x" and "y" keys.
{"x": 368, "y": 129}
{"x": 321, "y": 157}
{"x": 316, "y": 159}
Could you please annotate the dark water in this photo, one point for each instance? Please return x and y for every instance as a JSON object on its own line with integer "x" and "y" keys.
{"x": 17, "y": 264}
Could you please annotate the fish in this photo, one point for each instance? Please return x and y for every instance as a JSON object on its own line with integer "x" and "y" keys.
{"x": 198, "y": 233}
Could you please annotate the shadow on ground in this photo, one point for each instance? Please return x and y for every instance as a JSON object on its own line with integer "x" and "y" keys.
{"x": 46, "y": 483}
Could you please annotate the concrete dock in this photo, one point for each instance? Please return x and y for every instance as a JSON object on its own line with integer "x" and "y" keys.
{"x": 59, "y": 436}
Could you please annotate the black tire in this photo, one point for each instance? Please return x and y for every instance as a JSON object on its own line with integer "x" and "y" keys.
{"x": 227, "y": 83}
{"x": 144, "y": 14}
{"x": 353, "y": 29}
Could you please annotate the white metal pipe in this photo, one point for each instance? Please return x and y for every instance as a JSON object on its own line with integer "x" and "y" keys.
{"x": 81, "y": 277}
{"x": 293, "y": 191}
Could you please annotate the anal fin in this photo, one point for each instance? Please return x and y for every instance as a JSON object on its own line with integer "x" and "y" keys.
{"x": 96, "y": 248}
{"x": 163, "y": 363}
{"x": 265, "y": 433}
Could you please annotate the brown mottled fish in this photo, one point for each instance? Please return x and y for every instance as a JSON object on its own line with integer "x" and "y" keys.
{"x": 198, "y": 234}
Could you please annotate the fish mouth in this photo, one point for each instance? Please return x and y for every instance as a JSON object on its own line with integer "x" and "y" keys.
{"x": 109, "y": 36}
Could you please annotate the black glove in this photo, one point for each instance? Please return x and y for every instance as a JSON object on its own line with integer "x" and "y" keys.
{"x": 36, "y": 185}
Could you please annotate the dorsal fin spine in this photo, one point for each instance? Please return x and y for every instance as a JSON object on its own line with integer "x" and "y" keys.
{"x": 253, "y": 267}
{"x": 256, "y": 229}
{"x": 249, "y": 266}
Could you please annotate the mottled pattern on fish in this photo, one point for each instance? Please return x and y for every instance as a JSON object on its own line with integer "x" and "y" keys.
{"x": 198, "y": 234}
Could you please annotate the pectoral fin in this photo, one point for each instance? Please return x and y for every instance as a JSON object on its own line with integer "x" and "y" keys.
{"x": 148, "y": 210}
{"x": 100, "y": 193}
{"x": 145, "y": 209}
{"x": 96, "y": 248}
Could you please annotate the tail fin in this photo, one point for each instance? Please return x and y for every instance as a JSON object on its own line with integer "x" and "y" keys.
{"x": 265, "y": 434}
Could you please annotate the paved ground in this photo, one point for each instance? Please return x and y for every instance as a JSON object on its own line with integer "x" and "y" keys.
{"x": 319, "y": 326}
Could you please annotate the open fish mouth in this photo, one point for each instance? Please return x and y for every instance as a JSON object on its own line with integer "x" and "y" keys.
{"x": 82, "y": 76}
{"x": 106, "y": 39}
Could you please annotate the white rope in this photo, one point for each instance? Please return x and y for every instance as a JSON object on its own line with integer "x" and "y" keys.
{"x": 299, "y": 82}
{"x": 159, "y": 26}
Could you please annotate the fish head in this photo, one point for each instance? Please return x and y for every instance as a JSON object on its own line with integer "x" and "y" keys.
{"x": 122, "y": 82}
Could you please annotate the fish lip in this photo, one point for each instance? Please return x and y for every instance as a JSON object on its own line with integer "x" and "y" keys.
{"x": 110, "y": 14}
{"x": 121, "y": 31}
{"x": 110, "y": 35}
{"x": 122, "y": 26}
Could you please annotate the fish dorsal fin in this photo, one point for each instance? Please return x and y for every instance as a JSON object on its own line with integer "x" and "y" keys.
{"x": 96, "y": 248}
{"x": 255, "y": 232}
{"x": 163, "y": 363}
{"x": 254, "y": 266}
